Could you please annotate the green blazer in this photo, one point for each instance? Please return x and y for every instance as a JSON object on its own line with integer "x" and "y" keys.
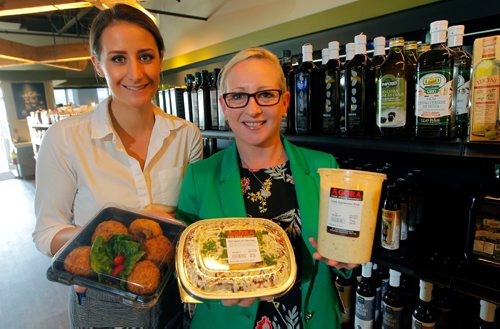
{"x": 211, "y": 189}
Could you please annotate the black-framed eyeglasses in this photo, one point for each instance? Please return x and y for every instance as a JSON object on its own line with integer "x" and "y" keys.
{"x": 239, "y": 100}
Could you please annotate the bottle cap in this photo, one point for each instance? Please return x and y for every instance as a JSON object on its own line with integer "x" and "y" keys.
{"x": 366, "y": 270}
{"x": 307, "y": 48}
{"x": 439, "y": 26}
{"x": 360, "y": 39}
{"x": 349, "y": 50}
{"x": 333, "y": 45}
{"x": 324, "y": 55}
{"x": 487, "y": 311}
{"x": 379, "y": 41}
{"x": 456, "y": 30}
{"x": 394, "y": 278}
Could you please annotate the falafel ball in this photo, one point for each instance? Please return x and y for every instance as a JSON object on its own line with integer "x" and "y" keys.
{"x": 109, "y": 228}
{"x": 144, "y": 278}
{"x": 158, "y": 250}
{"x": 143, "y": 229}
{"x": 78, "y": 261}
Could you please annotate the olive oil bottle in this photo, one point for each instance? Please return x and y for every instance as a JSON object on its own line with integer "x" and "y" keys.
{"x": 486, "y": 97}
{"x": 330, "y": 78}
{"x": 349, "y": 54}
{"x": 395, "y": 90}
{"x": 462, "y": 108}
{"x": 392, "y": 303}
{"x": 436, "y": 94}
{"x": 306, "y": 93}
{"x": 360, "y": 105}
{"x": 378, "y": 52}
{"x": 288, "y": 122}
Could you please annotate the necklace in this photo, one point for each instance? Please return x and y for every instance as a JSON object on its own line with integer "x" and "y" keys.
{"x": 265, "y": 189}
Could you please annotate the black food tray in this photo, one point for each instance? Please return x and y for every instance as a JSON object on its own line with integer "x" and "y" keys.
{"x": 172, "y": 229}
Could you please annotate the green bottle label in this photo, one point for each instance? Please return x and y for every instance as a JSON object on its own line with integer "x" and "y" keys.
{"x": 392, "y": 102}
{"x": 433, "y": 98}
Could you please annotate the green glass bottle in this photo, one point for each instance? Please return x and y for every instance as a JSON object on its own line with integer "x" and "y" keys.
{"x": 436, "y": 93}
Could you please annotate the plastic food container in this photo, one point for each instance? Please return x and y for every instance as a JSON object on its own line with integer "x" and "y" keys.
{"x": 234, "y": 258}
{"x": 129, "y": 254}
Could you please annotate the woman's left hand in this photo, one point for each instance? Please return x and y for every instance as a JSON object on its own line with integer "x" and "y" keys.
{"x": 330, "y": 262}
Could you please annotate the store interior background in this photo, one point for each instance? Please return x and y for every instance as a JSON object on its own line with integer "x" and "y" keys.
{"x": 198, "y": 34}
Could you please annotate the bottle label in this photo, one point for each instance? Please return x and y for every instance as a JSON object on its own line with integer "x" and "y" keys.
{"x": 214, "y": 104}
{"x": 390, "y": 229}
{"x": 201, "y": 109}
{"x": 354, "y": 99}
{"x": 302, "y": 102}
{"x": 392, "y": 102}
{"x": 187, "y": 111}
{"x": 433, "y": 98}
{"x": 345, "y": 298}
{"x": 391, "y": 317}
{"x": 194, "y": 104}
{"x": 463, "y": 96}
{"x": 416, "y": 324}
{"x": 364, "y": 312}
{"x": 344, "y": 212}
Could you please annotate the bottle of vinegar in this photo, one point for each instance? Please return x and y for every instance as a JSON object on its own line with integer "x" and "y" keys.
{"x": 462, "y": 108}
{"x": 306, "y": 88}
{"x": 330, "y": 123}
{"x": 365, "y": 299}
{"x": 486, "y": 97}
{"x": 436, "y": 94}
{"x": 392, "y": 303}
{"x": 423, "y": 315}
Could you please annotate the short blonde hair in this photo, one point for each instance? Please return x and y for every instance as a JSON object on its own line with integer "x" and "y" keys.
{"x": 249, "y": 53}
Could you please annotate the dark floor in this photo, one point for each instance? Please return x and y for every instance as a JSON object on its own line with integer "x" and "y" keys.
{"x": 27, "y": 298}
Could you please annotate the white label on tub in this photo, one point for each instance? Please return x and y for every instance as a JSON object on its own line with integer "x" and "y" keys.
{"x": 344, "y": 212}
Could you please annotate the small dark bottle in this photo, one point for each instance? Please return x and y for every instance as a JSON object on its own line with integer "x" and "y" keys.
{"x": 306, "y": 93}
{"x": 423, "y": 314}
{"x": 205, "y": 122}
{"x": 345, "y": 287}
{"x": 194, "y": 98}
{"x": 392, "y": 303}
{"x": 330, "y": 98}
{"x": 486, "y": 318}
{"x": 214, "y": 99}
{"x": 349, "y": 54}
{"x": 186, "y": 97}
{"x": 436, "y": 93}
{"x": 360, "y": 96}
{"x": 462, "y": 108}
{"x": 365, "y": 299}
{"x": 391, "y": 217}
{"x": 286, "y": 65}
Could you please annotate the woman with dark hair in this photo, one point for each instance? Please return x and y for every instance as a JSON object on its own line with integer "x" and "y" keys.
{"x": 127, "y": 152}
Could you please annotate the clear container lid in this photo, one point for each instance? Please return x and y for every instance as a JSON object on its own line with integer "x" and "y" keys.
{"x": 228, "y": 258}
{"x": 123, "y": 252}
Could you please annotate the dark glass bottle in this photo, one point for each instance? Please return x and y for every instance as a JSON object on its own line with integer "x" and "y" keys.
{"x": 205, "y": 122}
{"x": 403, "y": 193}
{"x": 365, "y": 299}
{"x": 411, "y": 53}
{"x": 391, "y": 226}
{"x": 214, "y": 99}
{"x": 486, "y": 318}
{"x": 395, "y": 90}
{"x": 392, "y": 303}
{"x": 462, "y": 108}
{"x": 306, "y": 93}
{"x": 423, "y": 314}
{"x": 345, "y": 287}
{"x": 194, "y": 98}
{"x": 349, "y": 54}
{"x": 360, "y": 111}
{"x": 436, "y": 94}
{"x": 186, "y": 97}
{"x": 288, "y": 72}
{"x": 330, "y": 78}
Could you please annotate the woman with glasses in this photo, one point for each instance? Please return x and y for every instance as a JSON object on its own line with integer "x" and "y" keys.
{"x": 263, "y": 175}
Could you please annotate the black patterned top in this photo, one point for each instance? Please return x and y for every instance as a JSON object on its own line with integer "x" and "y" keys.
{"x": 270, "y": 193}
